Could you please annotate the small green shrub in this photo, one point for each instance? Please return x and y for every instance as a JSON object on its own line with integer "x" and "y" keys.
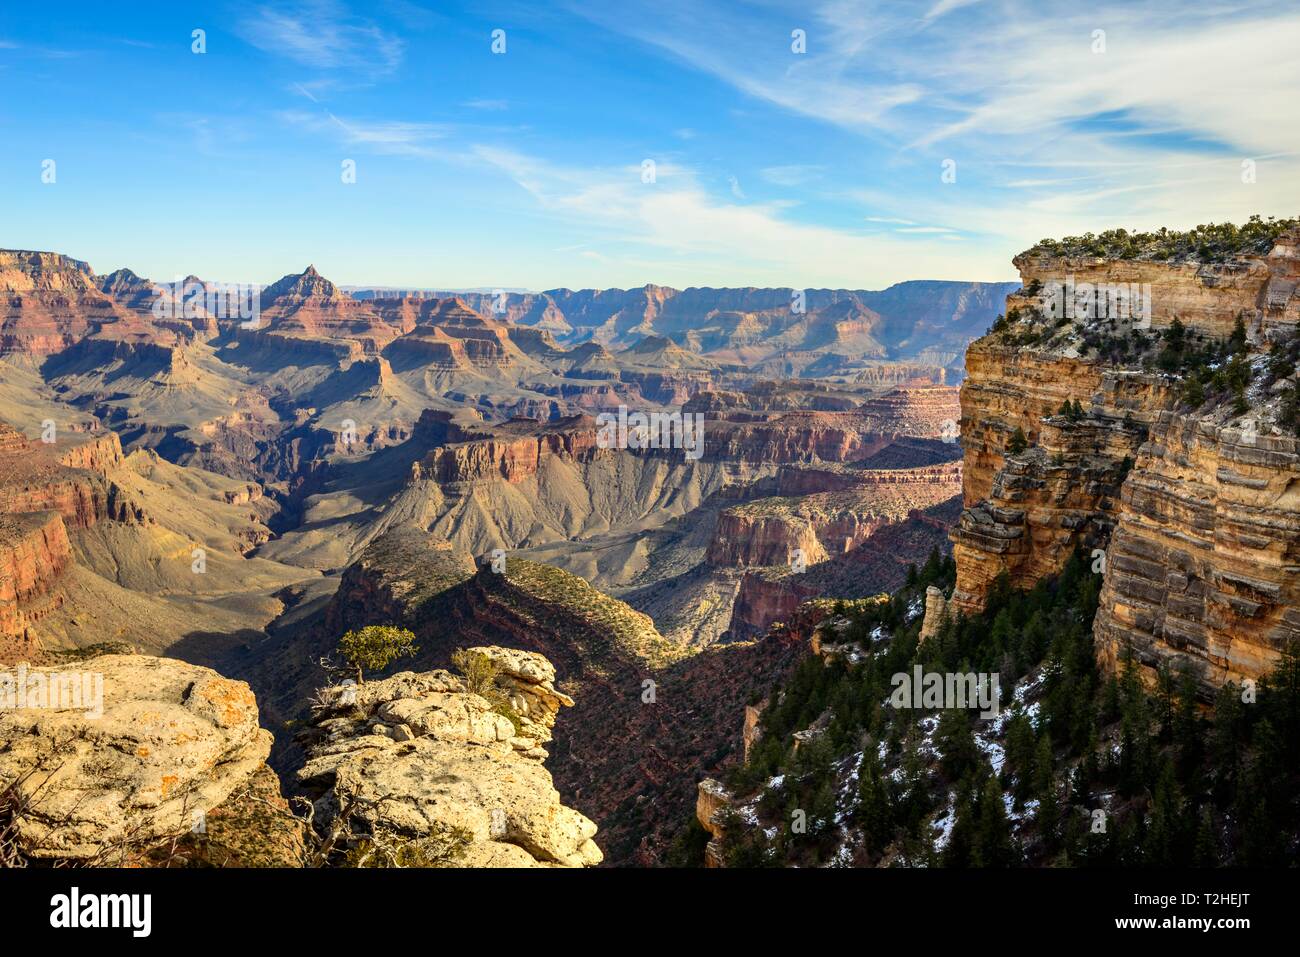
{"x": 480, "y": 674}
{"x": 375, "y": 647}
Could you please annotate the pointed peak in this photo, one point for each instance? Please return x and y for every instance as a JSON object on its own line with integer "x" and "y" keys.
{"x": 308, "y": 284}
{"x": 122, "y": 281}
{"x": 453, "y": 304}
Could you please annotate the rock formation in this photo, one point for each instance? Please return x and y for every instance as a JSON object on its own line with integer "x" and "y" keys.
{"x": 711, "y": 805}
{"x": 757, "y": 327}
{"x": 936, "y": 612}
{"x": 818, "y": 524}
{"x": 1190, "y": 513}
{"x": 419, "y": 757}
{"x": 1203, "y": 567}
{"x": 119, "y": 752}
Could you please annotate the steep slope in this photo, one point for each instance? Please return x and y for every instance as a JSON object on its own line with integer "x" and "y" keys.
{"x": 95, "y": 547}
{"x": 640, "y": 722}
{"x": 1155, "y": 425}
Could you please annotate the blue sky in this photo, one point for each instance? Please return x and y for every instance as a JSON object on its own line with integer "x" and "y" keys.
{"x": 525, "y": 168}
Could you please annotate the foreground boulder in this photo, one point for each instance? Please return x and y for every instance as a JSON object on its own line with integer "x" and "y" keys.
{"x": 419, "y": 761}
{"x": 142, "y": 751}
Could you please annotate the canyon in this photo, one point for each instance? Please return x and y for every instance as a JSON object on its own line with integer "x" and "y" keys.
{"x": 209, "y": 488}
{"x": 185, "y": 490}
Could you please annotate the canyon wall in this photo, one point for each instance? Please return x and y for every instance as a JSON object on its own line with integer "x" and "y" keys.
{"x": 1194, "y": 528}
{"x": 821, "y": 524}
{"x": 1203, "y": 568}
{"x": 45, "y": 490}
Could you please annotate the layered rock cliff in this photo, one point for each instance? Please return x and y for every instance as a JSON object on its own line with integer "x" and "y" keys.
{"x": 1203, "y": 569}
{"x": 47, "y": 489}
{"x": 818, "y": 525}
{"x": 1081, "y": 429}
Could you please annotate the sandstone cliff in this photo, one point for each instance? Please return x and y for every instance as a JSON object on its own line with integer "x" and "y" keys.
{"x": 1081, "y": 430}
{"x": 1203, "y": 568}
{"x": 819, "y": 524}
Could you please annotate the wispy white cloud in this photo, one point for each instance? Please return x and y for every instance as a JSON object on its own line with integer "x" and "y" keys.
{"x": 675, "y": 227}
{"x": 791, "y": 175}
{"x": 1150, "y": 132}
{"x": 925, "y": 229}
{"x": 1153, "y": 72}
{"x": 947, "y": 6}
{"x": 733, "y": 48}
{"x": 323, "y": 35}
{"x": 379, "y": 136}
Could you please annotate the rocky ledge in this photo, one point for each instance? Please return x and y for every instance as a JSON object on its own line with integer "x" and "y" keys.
{"x": 436, "y": 768}
{"x": 138, "y": 752}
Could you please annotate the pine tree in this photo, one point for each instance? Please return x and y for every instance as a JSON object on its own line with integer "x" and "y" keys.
{"x": 909, "y": 798}
{"x": 821, "y": 816}
{"x": 958, "y": 852}
{"x": 1080, "y": 794}
{"x": 1165, "y": 682}
{"x": 874, "y": 813}
{"x": 1187, "y": 724}
{"x": 1226, "y": 736}
{"x": 1110, "y": 700}
{"x": 994, "y": 846}
{"x": 1018, "y": 442}
{"x": 1163, "y": 845}
{"x": 1259, "y": 845}
{"x": 1237, "y": 341}
{"x": 1280, "y": 698}
{"x": 956, "y": 743}
{"x": 933, "y": 566}
{"x": 1045, "y": 788}
{"x": 1020, "y": 756}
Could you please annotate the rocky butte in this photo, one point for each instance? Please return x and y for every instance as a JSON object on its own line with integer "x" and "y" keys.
{"x": 1163, "y": 440}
